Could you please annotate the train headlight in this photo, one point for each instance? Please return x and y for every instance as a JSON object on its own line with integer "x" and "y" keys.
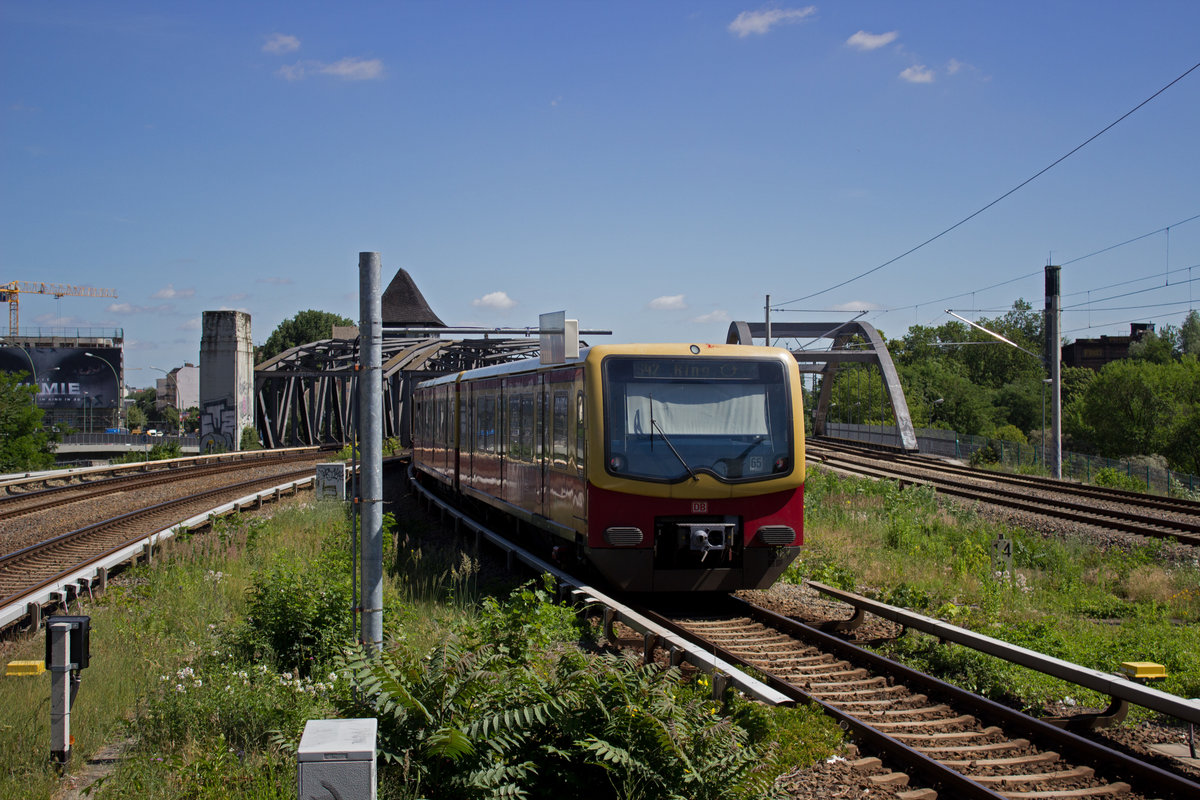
{"x": 776, "y": 534}
{"x": 781, "y": 463}
{"x": 619, "y": 536}
{"x": 616, "y": 464}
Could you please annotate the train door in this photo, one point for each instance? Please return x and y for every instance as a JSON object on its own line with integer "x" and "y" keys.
{"x": 462, "y": 460}
{"x": 540, "y": 444}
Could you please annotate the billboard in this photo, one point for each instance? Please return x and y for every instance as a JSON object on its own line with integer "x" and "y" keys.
{"x": 66, "y": 377}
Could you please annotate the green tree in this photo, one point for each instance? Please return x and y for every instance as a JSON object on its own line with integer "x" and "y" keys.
{"x": 1157, "y": 348}
{"x": 191, "y": 420}
{"x": 1189, "y": 334}
{"x": 306, "y": 326}
{"x": 136, "y": 418}
{"x": 1138, "y": 407}
{"x": 24, "y": 445}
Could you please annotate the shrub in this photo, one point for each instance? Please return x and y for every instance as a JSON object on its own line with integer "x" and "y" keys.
{"x": 1113, "y": 479}
{"x": 297, "y": 613}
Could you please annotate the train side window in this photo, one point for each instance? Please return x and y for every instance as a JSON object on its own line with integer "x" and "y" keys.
{"x": 559, "y": 428}
{"x": 526, "y": 428}
{"x": 514, "y": 427}
{"x": 580, "y": 432}
{"x": 486, "y": 436}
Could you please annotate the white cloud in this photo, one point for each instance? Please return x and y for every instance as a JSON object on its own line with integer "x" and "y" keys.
{"x": 668, "y": 302}
{"x": 856, "y": 305}
{"x": 128, "y": 308}
{"x": 497, "y": 300}
{"x": 917, "y": 73}
{"x": 276, "y": 281}
{"x": 954, "y": 66}
{"x": 355, "y": 69}
{"x": 170, "y": 293}
{"x": 192, "y": 324}
{"x": 281, "y": 43}
{"x": 718, "y": 315}
{"x": 761, "y": 21}
{"x": 349, "y": 69}
{"x": 871, "y": 41}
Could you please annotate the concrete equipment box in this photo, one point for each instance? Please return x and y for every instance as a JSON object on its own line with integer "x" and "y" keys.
{"x": 336, "y": 758}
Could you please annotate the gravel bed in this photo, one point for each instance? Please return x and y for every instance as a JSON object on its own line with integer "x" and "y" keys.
{"x": 29, "y": 529}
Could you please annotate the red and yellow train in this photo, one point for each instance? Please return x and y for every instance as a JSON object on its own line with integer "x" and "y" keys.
{"x": 667, "y": 467}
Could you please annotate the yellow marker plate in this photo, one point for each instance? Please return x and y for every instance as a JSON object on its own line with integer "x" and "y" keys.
{"x": 1143, "y": 670}
{"x": 17, "y": 668}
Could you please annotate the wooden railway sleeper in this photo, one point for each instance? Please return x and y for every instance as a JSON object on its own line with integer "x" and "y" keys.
{"x": 1044, "y": 758}
{"x": 1108, "y": 790}
{"x": 1058, "y": 776}
{"x": 902, "y": 725}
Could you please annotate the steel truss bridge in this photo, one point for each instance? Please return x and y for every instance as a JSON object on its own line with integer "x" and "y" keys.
{"x": 306, "y": 395}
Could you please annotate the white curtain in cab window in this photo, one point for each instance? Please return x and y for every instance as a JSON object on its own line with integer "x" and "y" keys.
{"x": 715, "y": 409}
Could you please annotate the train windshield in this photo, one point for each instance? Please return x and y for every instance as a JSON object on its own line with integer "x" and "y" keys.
{"x": 668, "y": 419}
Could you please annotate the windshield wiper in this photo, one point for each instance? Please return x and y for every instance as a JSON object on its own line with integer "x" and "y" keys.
{"x": 667, "y": 439}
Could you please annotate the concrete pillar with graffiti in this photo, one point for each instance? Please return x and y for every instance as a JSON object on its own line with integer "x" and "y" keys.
{"x": 226, "y": 380}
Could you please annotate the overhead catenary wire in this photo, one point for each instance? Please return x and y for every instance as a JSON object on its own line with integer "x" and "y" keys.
{"x": 1010, "y": 192}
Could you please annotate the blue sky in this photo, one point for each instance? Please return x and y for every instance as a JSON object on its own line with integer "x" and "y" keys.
{"x": 654, "y": 168}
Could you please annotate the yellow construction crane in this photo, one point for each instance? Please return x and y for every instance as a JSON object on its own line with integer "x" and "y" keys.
{"x": 12, "y": 291}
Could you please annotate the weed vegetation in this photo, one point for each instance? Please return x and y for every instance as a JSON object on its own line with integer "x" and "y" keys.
{"x": 206, "y": 665}
{"x": 1092, "y": 605}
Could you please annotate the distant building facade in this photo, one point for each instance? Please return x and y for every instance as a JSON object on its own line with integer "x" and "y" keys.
{"x": 180, "y": 389}
{"x": 1095, "y": 353}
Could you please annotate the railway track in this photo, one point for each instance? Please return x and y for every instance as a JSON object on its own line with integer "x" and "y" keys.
{"x": 1127, "y": 512}
{"x": 33, "y": 567}
{"x": 34, "y": 495}
{"x": 955, "y": 743}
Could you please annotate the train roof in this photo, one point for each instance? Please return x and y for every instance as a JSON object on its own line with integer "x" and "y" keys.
{"x": 529, "y": 365}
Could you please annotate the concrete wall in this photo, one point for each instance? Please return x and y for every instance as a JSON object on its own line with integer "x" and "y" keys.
{"x": 226, "y": 379}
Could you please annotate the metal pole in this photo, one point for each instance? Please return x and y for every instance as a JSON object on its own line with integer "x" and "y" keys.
{"x": 768, "y": 309}
{"x": 60, "y": 691}
{"x": 370, "y": 400}
{"x": 1054, "y": 360}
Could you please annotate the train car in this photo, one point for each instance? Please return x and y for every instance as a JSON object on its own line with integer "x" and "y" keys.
{"x": 667, "y": 467}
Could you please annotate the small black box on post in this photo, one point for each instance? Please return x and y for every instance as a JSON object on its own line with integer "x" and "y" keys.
{"x": 81, "y": 639}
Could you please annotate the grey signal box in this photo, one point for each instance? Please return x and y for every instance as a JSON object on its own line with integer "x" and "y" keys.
{"x": 331, "y": 481}
{"x": 336, "y": 759}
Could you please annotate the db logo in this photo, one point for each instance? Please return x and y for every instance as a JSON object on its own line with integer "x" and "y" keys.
{"x": 699, "y": 507}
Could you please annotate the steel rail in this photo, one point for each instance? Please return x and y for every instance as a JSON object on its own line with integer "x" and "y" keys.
{"x": 15, "y": 559}
{"x": 1105, "y": 760}
{"x": 84, "y": 574}
{"x": 53, "y": 494}
{"x": 1116, "y": 686}
{"x": 1111, "y": 519}
{"x": 16, "y": 480}
{"x": 1176, "y": 505}
{"x": 929, "y": 769}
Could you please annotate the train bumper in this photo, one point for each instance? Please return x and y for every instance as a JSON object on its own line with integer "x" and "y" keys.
{"x": 633, "y": 571}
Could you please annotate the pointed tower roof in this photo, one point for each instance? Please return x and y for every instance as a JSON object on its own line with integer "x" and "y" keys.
{"x": 403, "y": 305}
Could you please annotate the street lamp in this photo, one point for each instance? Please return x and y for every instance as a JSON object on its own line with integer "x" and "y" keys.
{"x": 175, "y": 404}
{"x": 120, "y": 399}
{"x": 32, "y": 368}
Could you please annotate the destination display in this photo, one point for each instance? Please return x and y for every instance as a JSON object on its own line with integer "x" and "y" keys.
{"x": 66, "y": 377}
{"x": 692, "y": 369}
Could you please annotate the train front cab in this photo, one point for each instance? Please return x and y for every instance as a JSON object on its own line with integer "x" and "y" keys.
{"x": 696, "y": 476}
